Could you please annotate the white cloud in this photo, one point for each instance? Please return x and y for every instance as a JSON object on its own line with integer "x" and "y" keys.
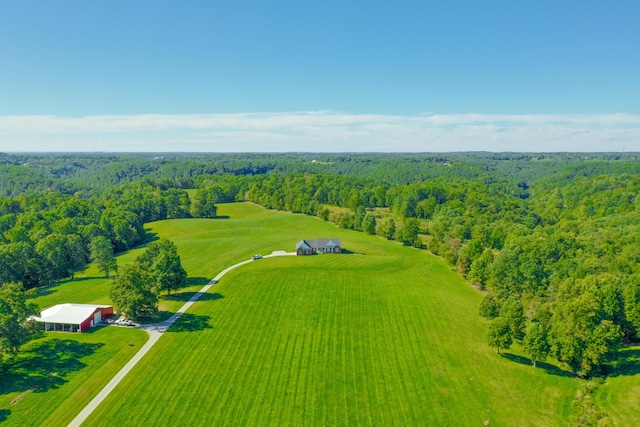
{"x": 322, "y": 131}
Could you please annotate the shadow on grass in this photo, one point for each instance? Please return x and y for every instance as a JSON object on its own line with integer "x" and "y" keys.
{"x": 40, "y": 292}
{"x": 186, "y": 296}
{"x": 190, "y": 323}
{"x": 95, "y": 329}
{"x": 627, "y": 363}
{"x": 348, "y": 252}
{"x": 160, "y": 316}
{"x": 197, "y": 281}
{"x": 549, "y": 368}
{"x": 150, "y": 236}
{"x": 4, "y": 414}
{"x": 45, "y": 366}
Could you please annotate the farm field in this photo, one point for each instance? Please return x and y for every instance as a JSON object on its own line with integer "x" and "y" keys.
{"x": 387, "y": 338}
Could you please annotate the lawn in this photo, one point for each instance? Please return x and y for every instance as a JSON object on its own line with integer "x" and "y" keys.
{"x": 56, "y": 375}
{"x": 619, "y": 397}
{"x": 391, "y": 337}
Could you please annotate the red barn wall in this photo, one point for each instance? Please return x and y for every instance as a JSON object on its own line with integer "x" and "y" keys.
{"x": 86, "y": 324}
{"x": 106, "y": 312}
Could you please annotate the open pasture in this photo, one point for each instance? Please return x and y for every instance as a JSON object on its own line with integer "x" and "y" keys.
{"x": 387, "y": 338}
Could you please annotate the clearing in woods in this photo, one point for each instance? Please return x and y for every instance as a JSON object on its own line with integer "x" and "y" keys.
{"x": 388, "y": 338}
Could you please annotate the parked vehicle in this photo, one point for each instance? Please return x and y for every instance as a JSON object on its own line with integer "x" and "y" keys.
{"x": 257, "y": 256}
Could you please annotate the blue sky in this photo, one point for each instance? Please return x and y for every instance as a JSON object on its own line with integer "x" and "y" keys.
{"x": 320, "y": 76}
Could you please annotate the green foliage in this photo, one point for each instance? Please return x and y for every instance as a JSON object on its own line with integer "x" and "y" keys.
{"x": 369, "y": 224}
{"x": 479, "y": 272}
{"x": 123, "y": 227}
{"x": 499, "y": 334}
{"x": 585, "y": 412}
{"x": 388, "y": 228}
{"x": 134, "y": 293}
{"x": 490, "y": 306}
{"x": 513, "y": 313}
{"x": 53, "y": 250}
{"x": 582, "y": 335}
{"x": 346, "y": 221}
{"x": 102, "y": 255}
{"x": 535, "y": 343}
{"x": 21, "y": 263}
{"x": 161, "y": 259}
{"x": 408, "y": 233}
{"x": 76, "y": 253}
{"x": 632, "y": 306}
{"x": 204, "y": 203}
{"x": 15, "y": 328}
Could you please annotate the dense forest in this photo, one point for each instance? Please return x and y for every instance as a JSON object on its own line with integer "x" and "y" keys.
{"x": 553, "y": 239}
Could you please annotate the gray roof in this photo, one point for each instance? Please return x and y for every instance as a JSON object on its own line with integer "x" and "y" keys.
{"x": 302, "y": 244}
{"x": 319, "y": 243}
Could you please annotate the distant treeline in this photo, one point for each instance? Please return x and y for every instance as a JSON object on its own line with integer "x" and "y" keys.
{"x": 68, "y": 173}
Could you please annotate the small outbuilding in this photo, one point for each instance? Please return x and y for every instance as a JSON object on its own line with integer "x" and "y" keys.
{"x": 73, "y": 317}
{"x": 319, "y": 246}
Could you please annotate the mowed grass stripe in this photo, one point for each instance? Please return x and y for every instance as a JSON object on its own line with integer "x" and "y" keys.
{"x": 388, "y": 338}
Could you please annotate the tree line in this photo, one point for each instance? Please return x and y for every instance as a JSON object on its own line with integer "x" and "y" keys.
{"x": 48, "y": 236}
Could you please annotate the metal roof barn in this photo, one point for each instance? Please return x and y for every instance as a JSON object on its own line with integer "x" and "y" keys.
{"x": 71, "y": 317}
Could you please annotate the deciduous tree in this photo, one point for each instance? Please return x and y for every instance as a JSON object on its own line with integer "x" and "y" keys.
{"x": 15, "y": 311}
{"x": 134, "y": 293}
{"x": 408, "y": 233}
{"x": 513, "y": 312}
{"x": 53, "y": 249}
{"x": 499, "y": 334}
{"x": 388, "y": 228}
{"x": 581, "y": 335}
{"x": 161, "y": 259}
{"x": 535, "y": 343}
{"x": 102, "y": 254}
{"x": 489, "y": 306}
{"x": 369, "y": 224}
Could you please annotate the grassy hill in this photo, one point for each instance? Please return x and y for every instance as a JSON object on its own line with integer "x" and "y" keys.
{"x": 387, "y": 338}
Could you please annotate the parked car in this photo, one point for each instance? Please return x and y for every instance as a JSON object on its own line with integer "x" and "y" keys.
{"x": 257, "y": 256}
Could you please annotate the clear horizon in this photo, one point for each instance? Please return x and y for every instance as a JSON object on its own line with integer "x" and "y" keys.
{"x": 287, "y": 77}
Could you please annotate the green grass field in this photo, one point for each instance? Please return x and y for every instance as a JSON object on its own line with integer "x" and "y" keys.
{"x": 56, "y": 375}
{"x": 387, "y": 338}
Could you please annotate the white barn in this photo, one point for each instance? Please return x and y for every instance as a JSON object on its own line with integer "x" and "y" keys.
{"x": 73, "y": 317}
